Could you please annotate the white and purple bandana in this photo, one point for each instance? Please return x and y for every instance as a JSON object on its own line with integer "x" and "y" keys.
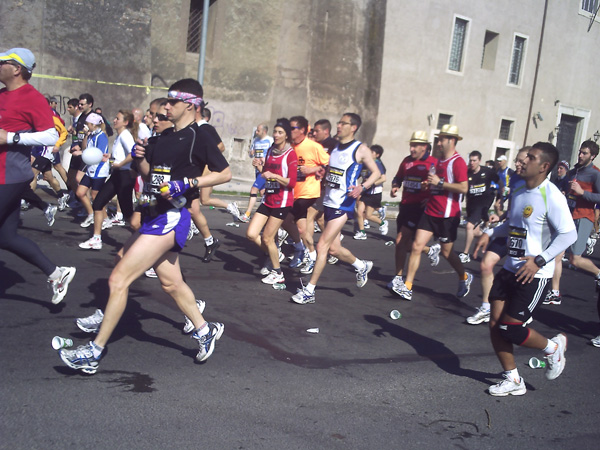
{"x": 186, "y": 97}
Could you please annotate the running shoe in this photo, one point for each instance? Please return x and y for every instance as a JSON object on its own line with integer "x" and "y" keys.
{"x": 595, "y": 341}
{"x": 117, "y": 220}
{"x": 232, "y": 208}
{"x": 508, "y": 387}
{"x": 188, "y": 326}
{"x": 89, "y": 220}
{"x": 60, "y": 286}
{"x": 63, "y": 202}
{"x": 191, "y": 232}
{"x": 384, "y": 227}
{"x": 207, "y": 341}
{"x": 50, "y": 213}
{"x": 25, "y": 205}
{"x": 298, "y": 258}
{"x": 403, "y": 291}
{"x": 552, "y": 298}
{"x": 151, "y": 273}
{"x": 589, "y": 246}
{"x": 557, "y": 360}
{"x": 107, "y": 223}
{"x": 398, "y": 286}
{"x": 210, "y": 250}
{"x": 362, "y": 276}
{"x": 266, "y": 269}
{"x": 464, "y": 258}
{"x": 92, "y": 243}
{"x": 396, "y": 280}
{"x": 366, "y": 224}
{"x": 244, "y": 218}
{"x": 382, "y": 212}
{"x": 482, "y": 315}
{"x": 273, "y": 278}
{"x": 317, "y": 228}
{"x": 90, "y": 324}
{"x": 360, "y": 235}
{"x": 464, "y": 286}
{"x": 308, "y": 267}
{"x": 434, "y": 254}
{"x": 281, "y": 237}
{"x": 81, "y": 358}
{"x": 332, "y": 259}
{"x": 303, "y": 296}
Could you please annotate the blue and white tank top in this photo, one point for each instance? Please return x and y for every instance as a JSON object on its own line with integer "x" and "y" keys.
{"x": 342, "y": 173}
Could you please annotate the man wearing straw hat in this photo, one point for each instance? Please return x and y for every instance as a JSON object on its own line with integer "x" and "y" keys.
{"x": 412, "y": 176}
{"x": 442, "y": 213}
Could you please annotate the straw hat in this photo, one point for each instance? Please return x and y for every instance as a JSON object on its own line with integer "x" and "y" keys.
{"x": 419, "y": 137}
{"x": 450, "y": 131}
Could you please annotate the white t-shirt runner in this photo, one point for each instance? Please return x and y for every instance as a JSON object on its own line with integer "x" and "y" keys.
{"x": 539, "y": 223}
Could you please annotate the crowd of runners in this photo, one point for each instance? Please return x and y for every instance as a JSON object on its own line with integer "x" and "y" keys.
{"x": 154, "y": 172}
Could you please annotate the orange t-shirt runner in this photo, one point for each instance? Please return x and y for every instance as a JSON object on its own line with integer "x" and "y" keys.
{"x": 310, "y": 154}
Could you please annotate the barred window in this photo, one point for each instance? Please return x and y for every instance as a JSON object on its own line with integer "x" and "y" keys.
{"x": 458, "y": 44}
{"x": 443, "y": 119}
{"x": 506, "y": 129}
{"x": 517, "y": 60}
{"x": 590, "y": 6}
{"x": 195, "y": 26}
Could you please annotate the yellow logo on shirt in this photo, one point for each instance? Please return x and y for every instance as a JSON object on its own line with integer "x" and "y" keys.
{"x": 527, "y": 211}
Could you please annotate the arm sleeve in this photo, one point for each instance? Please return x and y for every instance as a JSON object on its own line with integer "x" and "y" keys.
{"x": 47, "y": 137}
{"x": 62, "y": 132}
{"x": 560, "y": 220}
{"x": 594, "y": 197}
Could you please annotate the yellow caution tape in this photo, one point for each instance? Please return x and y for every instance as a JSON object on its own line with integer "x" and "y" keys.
{"x": 55, "y": 77}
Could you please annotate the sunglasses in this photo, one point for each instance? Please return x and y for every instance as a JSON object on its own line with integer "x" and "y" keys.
{"x": 162, "y": 118}
{"x": 173, "y": 101}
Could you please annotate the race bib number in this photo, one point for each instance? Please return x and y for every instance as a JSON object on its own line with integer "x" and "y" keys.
{"x": 159, "y": 175}
{"x": 477, "y": 189}
{"x": 334, "y": 177}
{"x": 516, "y": 242}
{"x": 272, "y": 187}
{"x": 412, "y": 184}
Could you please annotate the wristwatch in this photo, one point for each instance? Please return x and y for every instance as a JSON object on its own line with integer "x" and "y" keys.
{"x": 441, "y": 183}
{"x": 16, "y": 138}
{"x": 193, "y": 182}
{"x": 539, "y": 261}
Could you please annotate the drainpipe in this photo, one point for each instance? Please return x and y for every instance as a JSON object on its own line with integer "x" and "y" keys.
{"x": 535, "y": 78}
{"x": 203, "y": 42}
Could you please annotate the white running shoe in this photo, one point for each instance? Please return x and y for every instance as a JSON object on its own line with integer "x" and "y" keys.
{"x": 464, "y": 286}
{"x": 232, "y": 208}
{"x": 382, "y": 212}
{"x": 360, "y": 236}
{"x": 188, "y": 326}
{"x": 557, "y": 360}
{"x": 317, "y": 228}
{"x": 482, "y": 315}
{"x": 89, "y": 220}
{"x": 90, "y": 324}
{"x": 362, "y": 276}
{"x": 63, "y": 202}
{"x": 206, "y": 342}
{"x": 464, "y": 258}
{"x": 434, "y": 254}
{"x": 303, "y": 296}
{"x": 107, "y": 223}
{"x": 383, "y": 229}
{"x": 92, "y": 243}
{"x": 308, "y": 267}
{"x": 366, "y": 224}
{"x": 281, "y": 237}
{"x": 595, "y": 341}
{"x": 402, "y": 291}
{"x": 589, "y": 246}
{"x": 273, "y": 278}
{"x": 508, "y": 387}
{"x": 332, "y": 259}
{"x": 61, "y": 284}
{"x": 50, "y": 213}
{"x": 151, "y": 273}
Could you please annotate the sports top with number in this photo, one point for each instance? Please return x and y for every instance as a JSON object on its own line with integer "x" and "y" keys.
{"x": 121, "y": 148}
{"x": 342, "y": 173}
{"x": 588, "y": 177}
{"x": 310, "y": 154}
{"x": 536, "y": 216}
{"x": 480, "y": 182}
{"x": 176, "y": 155}
{"x": 21, "y": 110}
{"x": 366, "y": 173}
{"x": 100, "y": 140}
{"x": 411, "y": 174}
{"x": 285, "y": 165}
{"x": 443, "y": 203}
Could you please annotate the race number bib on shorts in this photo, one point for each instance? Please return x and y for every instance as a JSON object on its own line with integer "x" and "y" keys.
{"x": 516, "y": 242}
{"x": 334, "y": 177}
{"x": 272, "y": 187}
{"x": 159, "y": 175}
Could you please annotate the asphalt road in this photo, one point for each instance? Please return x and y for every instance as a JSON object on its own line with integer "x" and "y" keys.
{"x": 364, "y": 381}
